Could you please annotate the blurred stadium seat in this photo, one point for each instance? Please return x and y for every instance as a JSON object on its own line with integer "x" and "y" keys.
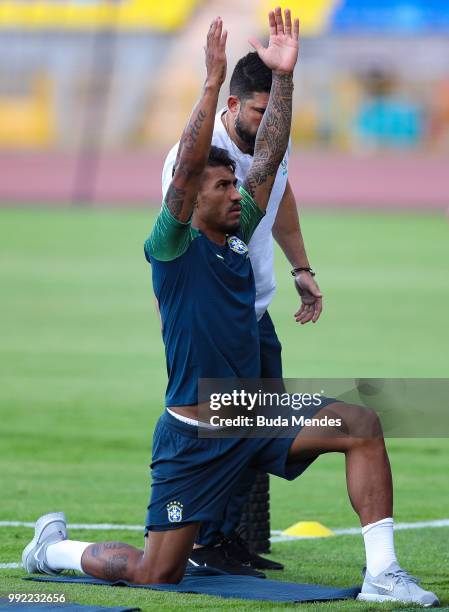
{"x": 344, "y": 16}
{"x": 389, "y": 122}
{"x": 72, "y": 15}
{"x": 26, "y": 113}
{"x": 314, "y": 14}
{"x": 438, "y": 125}
{"x": 399, "y": 16}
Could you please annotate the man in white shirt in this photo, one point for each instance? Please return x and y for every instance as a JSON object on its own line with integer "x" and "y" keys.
{"x": 235, "y": 130}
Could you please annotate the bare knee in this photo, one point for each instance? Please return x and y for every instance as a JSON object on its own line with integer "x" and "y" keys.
{"x": 166, "y": 555}
{"x": 362, "y": 424}
{"x": 371, "y": 425}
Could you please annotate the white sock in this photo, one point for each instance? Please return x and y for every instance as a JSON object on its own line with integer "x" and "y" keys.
{"x": 379, "y": 546}
{"x": 66, "y": 555}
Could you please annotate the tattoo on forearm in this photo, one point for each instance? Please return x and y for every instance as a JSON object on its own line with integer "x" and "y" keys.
{"x": 175, "y": 196}
{"x": 175, "y": 199}
{"x": 273, "y": 134}
{"x": 193, "y": 130}
{"x": 190, "y": 134}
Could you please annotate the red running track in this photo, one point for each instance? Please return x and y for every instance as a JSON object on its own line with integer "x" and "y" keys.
{"x": 319, "y": 180}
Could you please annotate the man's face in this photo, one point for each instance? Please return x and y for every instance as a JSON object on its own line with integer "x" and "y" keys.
{"x": 218, "y": 205}
{"x": 247, "y": 115}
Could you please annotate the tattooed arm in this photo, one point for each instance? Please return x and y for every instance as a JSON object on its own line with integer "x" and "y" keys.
{"x": 274, "y": 130}
{"x": 196, "y": 140}
{"x": 272, "y": 140}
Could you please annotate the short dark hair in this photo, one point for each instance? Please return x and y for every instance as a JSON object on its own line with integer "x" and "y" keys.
{"x": 220, "y": 157}
{"x": 250, "y": 76}
{"x": 217, "y": 157}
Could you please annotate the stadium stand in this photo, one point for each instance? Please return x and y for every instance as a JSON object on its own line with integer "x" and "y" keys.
{"x": 391, "y": 16}
{"x": 103, "y": 80}
{"x": 69, "y": 15}
{"x": 361, "y": 16}
{"x": 315, "y": 14}
{"x": 76, "y": 48}
{"x": 26, "y": 112}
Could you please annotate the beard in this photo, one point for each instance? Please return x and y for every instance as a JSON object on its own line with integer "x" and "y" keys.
{"x": 244, "y": 135}
{"x": 231, "y": 228}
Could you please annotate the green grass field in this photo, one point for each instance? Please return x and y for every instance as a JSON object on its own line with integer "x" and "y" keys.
{"x": 83, "y": 376}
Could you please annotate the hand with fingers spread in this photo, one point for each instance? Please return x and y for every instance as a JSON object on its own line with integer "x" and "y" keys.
{"x": 215, "y": 49}
{"x": 282, "y": 52}
{"x": 311, "y": 298}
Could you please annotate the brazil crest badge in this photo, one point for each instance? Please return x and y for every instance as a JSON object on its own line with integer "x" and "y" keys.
{"x": 237, "y": 245}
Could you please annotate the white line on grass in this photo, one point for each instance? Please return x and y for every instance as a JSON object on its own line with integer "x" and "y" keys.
{"x": 93, "y": 526}
{"x": 276, "y": 535}
{"x": 274, "y": 532}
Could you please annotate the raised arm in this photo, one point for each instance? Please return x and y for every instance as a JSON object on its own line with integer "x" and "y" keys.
{"x": 197, "y": 136}
{"x": 274, "y": 131}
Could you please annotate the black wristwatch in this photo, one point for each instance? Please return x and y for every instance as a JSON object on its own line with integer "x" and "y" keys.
{"x": 295, "y": 271}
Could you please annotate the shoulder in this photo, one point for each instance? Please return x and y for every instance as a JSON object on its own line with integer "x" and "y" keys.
{"x": 169, "y": 237}
{"x": 167, "y": 172}
{"x": 220, "y": 136}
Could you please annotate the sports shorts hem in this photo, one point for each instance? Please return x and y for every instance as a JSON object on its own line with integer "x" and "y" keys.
{"x": 193, "y": 478}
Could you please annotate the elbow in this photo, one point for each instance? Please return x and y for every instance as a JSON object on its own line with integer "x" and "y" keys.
{"x": 191, "y": 167}
{"x": 147, "y": 250}
{"x": 162, "y": 252}
{"x": 281, "y": 153}
{"x": 272, "y": 160}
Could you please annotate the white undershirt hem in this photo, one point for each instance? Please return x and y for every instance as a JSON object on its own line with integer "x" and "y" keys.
{"x": 192, "y": 422}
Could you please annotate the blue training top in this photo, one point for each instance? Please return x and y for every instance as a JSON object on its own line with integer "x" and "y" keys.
{"x": 206, "y": 296}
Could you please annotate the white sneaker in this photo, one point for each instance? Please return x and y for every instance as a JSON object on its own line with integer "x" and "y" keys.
{"x": 395, "y": 584}
{"x": 49, "y": 529}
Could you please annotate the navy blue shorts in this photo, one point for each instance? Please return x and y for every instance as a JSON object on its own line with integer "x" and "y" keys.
{"x": 270, "y": 349}
{"x": 193, "y": 478}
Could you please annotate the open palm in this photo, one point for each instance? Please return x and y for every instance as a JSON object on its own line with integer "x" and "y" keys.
{"x": 282, "y": 51}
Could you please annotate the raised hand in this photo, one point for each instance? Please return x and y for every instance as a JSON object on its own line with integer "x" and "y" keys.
{"x": 196, "y": 139}
{"x": 282, "y": 52}
{"x": 215, "y": 49}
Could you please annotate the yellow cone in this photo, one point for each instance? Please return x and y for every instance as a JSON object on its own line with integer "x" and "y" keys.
{"x": 308, "y": 529}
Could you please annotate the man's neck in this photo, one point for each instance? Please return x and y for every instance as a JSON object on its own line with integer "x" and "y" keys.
{"x": 229, "y": 125}
{"x": 213, "y": 235}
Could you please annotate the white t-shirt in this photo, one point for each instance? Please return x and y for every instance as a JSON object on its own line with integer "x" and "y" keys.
{"x": 261, "y": 245}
